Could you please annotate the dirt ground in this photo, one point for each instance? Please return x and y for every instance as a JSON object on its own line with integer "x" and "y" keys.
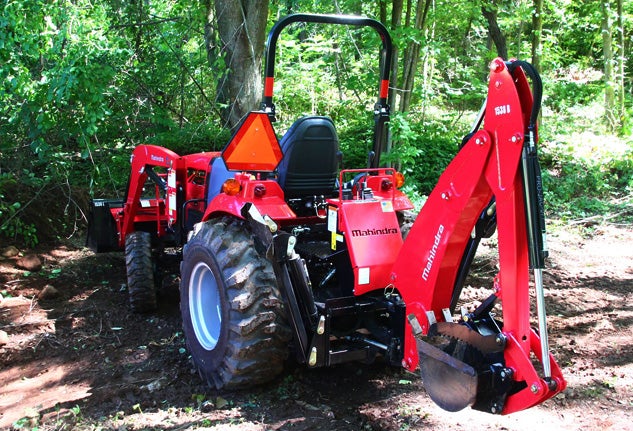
{"x": 78, "y": 358}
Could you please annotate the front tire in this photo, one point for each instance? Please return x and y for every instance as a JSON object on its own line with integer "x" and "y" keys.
{"x": 233, "y": 319}
{"x": 140, "y": 272}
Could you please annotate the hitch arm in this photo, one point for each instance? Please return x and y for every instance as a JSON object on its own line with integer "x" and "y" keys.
{"x": 288, "y": 271}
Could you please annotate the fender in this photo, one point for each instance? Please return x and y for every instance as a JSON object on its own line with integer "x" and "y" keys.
{"x": 266, "y": 195}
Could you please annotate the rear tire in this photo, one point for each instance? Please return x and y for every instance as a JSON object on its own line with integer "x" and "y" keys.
{"x": 406, "y": 219}
{"x": 140, "y": 272}
{"x": 233, "y": 320}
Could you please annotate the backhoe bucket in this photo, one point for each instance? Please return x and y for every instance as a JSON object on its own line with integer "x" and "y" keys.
{"x": 451, "y": 383}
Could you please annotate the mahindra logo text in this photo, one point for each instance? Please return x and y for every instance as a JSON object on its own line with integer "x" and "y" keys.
{"x": 432, "y": 253}
{"x": 369, "y": 232}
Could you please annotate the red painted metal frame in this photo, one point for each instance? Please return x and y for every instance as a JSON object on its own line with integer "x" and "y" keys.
{"x": 373, "y": 238}
{"x": 425, "y": 270}
{"x": 370, "y": 225}
{"x": 161, "y": 210}
{"x": 374, "y": 179}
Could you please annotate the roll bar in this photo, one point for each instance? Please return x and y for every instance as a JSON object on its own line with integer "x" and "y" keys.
{"x": 381, "y": 108}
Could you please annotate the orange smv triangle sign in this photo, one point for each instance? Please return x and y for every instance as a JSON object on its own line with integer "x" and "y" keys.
{"x": 254, "y": 147}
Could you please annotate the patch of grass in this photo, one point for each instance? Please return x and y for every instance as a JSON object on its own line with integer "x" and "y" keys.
{"x": 288, "y": 389}
{"x": 410, "y": 417}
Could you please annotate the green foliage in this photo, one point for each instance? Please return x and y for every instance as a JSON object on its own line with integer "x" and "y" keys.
{"x": 16, "y": 229}
{"x": 465, "y": 87}
{"x": 84, "y": 81}
{"x": 356, "y": 134}
{"x": 571, "y": 88}
{"x": 325, "y": 70}
{"x": 12, "y": 226}
{"x": 422, "y": 149}
{"x": 193, "y": 138}
{"x": 565, "y": 95}
{"x": 587, "y": 174}
{"x": 55, "y": 73}
{"x": 406, "y": 146}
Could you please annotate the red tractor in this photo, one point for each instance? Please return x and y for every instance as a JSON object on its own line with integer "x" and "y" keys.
{"x": 284, "y": 251}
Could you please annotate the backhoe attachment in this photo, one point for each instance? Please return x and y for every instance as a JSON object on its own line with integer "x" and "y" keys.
{"x": 485, "y": 358}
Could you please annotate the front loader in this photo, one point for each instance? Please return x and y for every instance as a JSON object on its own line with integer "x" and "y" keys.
{"x": 293, "y": 254}
{"x": 165, "y": 197}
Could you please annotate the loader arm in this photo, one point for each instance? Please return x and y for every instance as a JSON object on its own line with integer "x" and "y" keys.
{"x": 144, "y": 158}
{"x": 501, "y": 378}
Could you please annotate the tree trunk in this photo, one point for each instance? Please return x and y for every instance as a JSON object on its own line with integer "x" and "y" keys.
{"x": 382, "y": 11}
{"x": 396, "y": 21}
{"x": 490, "y": 13}
{"x": 210, "y": 33}
{"x": 241, "y": 27}
{"x": 412, "y": 56}
{"x": 607, "y": 50}
{"x": 621, "y": 61}
{"x": 537, "y": 29}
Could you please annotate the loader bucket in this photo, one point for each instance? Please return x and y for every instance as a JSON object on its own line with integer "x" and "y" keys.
{"x": 451, "y": 383}
{"x": 102, "y": 235}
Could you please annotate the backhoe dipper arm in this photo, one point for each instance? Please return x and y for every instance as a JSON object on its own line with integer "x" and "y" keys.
{"x": 488, "y": 165}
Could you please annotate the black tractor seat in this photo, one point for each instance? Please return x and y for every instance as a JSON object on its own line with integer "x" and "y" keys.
{"x": 309, "y": 168}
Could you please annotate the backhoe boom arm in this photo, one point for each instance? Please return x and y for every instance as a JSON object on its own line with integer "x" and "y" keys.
{"x": 488, "y": 167}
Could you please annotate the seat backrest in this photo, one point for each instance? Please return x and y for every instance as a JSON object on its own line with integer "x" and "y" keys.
{"x": 310, "y": 163}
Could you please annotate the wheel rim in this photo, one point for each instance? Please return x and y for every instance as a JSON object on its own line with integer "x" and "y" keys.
{"x": 205, "y": 306}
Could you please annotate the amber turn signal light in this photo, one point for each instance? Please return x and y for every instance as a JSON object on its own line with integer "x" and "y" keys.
{"x": 399, "y": 179}
{"x": 231, "y": 187}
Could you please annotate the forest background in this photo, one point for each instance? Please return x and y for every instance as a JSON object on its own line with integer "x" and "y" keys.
{"x": 84, "y": 81}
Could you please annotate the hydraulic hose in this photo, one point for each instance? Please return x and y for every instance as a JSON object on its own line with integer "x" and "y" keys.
{"x": 537, "y": 87}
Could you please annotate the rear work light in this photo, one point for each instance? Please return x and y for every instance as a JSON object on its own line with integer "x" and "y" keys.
{"x": 259, "y": 190}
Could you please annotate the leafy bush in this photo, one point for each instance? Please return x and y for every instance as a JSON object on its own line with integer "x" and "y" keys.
{"x": 13, "y": 227}
{"x": 585, "y": 174}
{"x": 563, "y": 95}
{"x": 422, "y": 150}
{"x": 356, "y": 134}
{"x": 192, "y": 138}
